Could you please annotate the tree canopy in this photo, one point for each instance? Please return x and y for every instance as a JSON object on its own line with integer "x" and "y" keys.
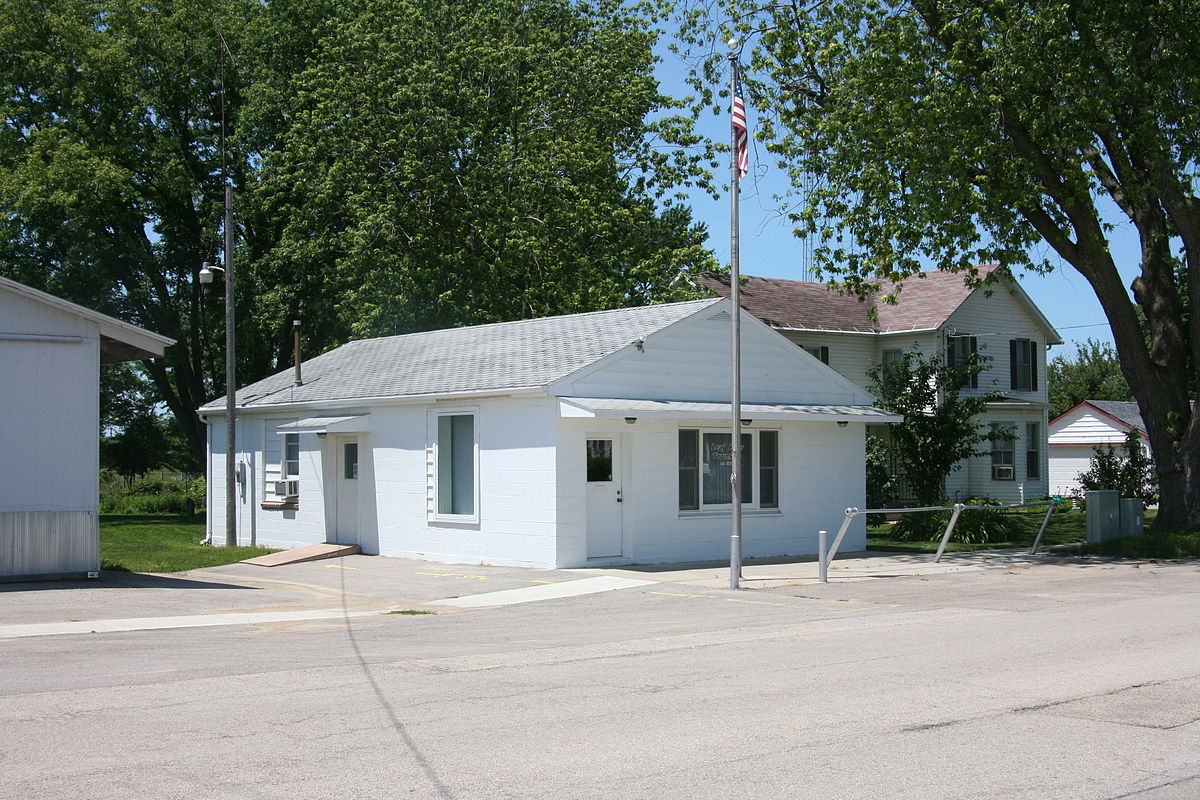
{"x": 110, "y": 178}
{"x": 445, "y": 164}
{"x": 1092, "y": 374}
{"x": 948, "y": 133}
{"x": 397, "y": 165}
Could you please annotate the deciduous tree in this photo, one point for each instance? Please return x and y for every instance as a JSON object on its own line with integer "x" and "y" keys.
{"x": 459, "y": 163}
{"x": 396, "y": 165}
{"x": 110, "y": 179}
{"x": 947, "y": 132}
{"x": 1093, "y": 374}
{"x": 940, "y": 427}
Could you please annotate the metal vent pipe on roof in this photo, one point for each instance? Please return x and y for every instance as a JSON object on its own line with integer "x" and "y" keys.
{"x": 296, "y": 350}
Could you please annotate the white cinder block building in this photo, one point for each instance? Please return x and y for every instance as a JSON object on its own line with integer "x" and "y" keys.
{"x": 50, "y": 356}
{"x": 589, "y": 439}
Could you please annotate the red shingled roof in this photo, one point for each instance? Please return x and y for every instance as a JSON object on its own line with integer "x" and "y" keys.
{"x": 926, "y": 300}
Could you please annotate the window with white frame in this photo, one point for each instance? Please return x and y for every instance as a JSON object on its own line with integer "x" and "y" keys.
{"x": 706, "y": 467}
{"x": 1003, "y": 452}
{"x": 1033, "y": 450}
{"x": 291, "y": 455}
{"x": 455, "y": 468}
{"x": 281, "y": 461}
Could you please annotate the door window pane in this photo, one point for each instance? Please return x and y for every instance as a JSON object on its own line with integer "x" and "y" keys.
{"x": 599, "y": 460}
{"x": 350, "y": 461}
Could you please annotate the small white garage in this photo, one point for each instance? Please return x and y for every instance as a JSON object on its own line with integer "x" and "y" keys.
{"x": 50, "y": 356}
{"x": 589, "y": 439}
{"x": 1074, "y": 435}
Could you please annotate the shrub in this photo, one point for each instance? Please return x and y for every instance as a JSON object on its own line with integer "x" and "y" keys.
{"x": 1128, "y": 470}
{"x": 154, "y": 496}
{"x": 973, "y": 527}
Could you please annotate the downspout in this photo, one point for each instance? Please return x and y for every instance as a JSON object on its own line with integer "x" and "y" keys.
{"x": 207, "y": 482}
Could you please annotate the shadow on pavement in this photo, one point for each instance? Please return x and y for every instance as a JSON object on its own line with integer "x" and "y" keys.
{"x": 119, "y": 580}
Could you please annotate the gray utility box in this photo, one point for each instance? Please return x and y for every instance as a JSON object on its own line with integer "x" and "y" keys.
{"x": 1103, "y": 515}
{"x": 1133, "y": 517}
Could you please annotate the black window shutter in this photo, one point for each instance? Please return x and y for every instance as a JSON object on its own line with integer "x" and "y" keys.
{"x": 824, "y": 355}
{"x": 1012, "y": 364}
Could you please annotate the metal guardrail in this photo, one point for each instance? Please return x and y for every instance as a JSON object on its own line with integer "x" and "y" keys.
{"x": 826, "y": 557}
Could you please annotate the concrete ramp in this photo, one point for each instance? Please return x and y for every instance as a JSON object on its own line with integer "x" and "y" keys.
{"x": 312, "y": 552}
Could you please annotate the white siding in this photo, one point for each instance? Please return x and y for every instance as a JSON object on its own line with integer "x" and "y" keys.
{"x": 995, "y": 320}
{"x": 690, "y": 361}
{"x": 975, "y": 478}
{"x": 49, "y": 409}
{"x": 1085, "y": 425}
{"x": 851, "y": 355}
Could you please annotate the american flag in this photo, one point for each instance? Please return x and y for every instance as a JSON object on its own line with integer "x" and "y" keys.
{"x": 741, "y": 138}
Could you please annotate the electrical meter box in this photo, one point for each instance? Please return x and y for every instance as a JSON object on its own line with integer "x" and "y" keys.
{"x": 1103, "y": 515}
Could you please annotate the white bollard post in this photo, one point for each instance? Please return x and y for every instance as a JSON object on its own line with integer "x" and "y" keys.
{"x": 823, "y": 556}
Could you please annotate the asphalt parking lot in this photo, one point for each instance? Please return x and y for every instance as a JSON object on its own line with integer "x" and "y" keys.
{"x": 992, "y": 677}
{"x": 371, "y": 584}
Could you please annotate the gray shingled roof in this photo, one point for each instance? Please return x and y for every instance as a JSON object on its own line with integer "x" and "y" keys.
{"x": 1126, "y": 411}
{"x": 506, "y": 355}
{"x": 926, "y": 300}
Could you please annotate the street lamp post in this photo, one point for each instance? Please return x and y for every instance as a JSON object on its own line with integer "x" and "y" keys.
{"x": 206, "y": 276}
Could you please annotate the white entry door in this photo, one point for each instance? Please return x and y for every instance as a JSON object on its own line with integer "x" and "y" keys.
{"x": 346, "y": 497}
{"x": 604, "y": 498}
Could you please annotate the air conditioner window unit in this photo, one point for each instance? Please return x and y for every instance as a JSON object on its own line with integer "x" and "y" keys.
{"x": 287, "y": 488}
{"x": 1003, "y": 473}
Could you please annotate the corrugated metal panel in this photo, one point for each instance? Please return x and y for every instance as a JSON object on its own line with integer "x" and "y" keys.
{"x": 48, "y": 542}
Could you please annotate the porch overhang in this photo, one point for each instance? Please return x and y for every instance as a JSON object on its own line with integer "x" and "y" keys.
{"x": 355, "y": 423}
{"x": 616, "y": 408}
{"x": 1016, "y": 403}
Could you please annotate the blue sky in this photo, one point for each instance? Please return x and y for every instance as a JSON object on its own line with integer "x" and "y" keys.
{"x": 768, "y": 248}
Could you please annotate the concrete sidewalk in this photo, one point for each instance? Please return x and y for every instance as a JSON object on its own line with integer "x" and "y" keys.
{"x": 241, "y": 594}
{"x": 866, "y": 566}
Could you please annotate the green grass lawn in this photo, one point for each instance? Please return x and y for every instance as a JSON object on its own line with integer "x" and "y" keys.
{"x": 161, "y": 543}
{"x": 1067, "y": 527}
{"x": 1152, "y": 545}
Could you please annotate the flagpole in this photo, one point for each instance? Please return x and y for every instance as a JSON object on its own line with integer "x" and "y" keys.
{"x": 735, "y": 539}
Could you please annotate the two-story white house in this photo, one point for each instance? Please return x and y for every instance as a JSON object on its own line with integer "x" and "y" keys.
{"x": 936, "y": 313}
